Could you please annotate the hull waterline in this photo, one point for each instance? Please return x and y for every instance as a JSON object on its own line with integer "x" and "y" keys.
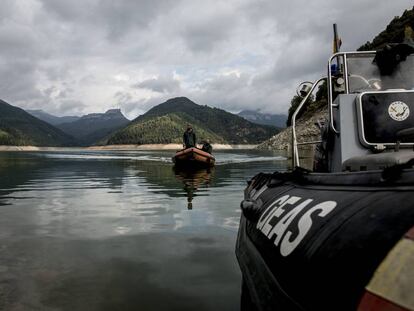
{"x": 193, "y": 158}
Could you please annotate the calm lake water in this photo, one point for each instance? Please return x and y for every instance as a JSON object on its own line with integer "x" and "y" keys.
{"x": 121, "y": 230}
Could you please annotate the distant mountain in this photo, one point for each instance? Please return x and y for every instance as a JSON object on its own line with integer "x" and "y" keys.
{"x": 93, "y": 127}
{"x": 51, "y": 119}
{"x": 278, "y": 120}
{"x": 17, "y": 127}
{"x": 166, "y": 123}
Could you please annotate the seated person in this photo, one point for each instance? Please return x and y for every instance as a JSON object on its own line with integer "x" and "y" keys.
{"x": 207, "y": 147}
{"x": 189, "y": 137}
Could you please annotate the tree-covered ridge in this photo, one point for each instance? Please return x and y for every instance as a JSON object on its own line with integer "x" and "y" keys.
{"x": 12, "y": 137}
{"x": 393, "y": 33}
{"x": 315, "y": 103}
{"x": 161, "y": 130}
{"x": 17, "y": 127}
{"x": 166, "y": 123}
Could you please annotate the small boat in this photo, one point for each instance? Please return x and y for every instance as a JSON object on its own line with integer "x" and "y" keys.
{"x": 192, "y": 158}
{"x": 340, "y": 237}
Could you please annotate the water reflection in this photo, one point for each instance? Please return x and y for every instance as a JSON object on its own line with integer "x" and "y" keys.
{"x": 192, "y": 180}
{"x": 108, "y": 231}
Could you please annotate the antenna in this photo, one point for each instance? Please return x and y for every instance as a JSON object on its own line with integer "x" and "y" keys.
{"x": 336, "y": 41}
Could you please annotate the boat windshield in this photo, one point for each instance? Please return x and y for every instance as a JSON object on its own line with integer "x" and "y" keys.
{"x": 364, "y": 75}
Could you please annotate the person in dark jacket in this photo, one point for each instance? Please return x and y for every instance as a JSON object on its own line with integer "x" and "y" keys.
{"x": 189, "y": 137}
{"x": 207, "y": 147}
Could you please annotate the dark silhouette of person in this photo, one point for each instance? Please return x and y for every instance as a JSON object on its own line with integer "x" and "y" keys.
{"x": 192, "y": 181}
{"x": 189, "y": 137}
{"x": 207, "y": 147}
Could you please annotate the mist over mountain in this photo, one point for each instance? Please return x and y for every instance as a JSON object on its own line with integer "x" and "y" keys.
{"x": 278, "y": 120}
{"x": 50, "y": 118}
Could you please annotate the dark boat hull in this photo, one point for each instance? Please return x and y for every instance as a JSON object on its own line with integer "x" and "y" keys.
{"x": 193, "y": 158}
{"x": 315, "y": 241}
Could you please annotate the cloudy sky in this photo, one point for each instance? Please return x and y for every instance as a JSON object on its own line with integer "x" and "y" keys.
{"x": 81, "y": 56}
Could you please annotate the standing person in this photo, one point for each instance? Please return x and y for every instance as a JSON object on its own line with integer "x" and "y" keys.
{"x": 189, "y": 137}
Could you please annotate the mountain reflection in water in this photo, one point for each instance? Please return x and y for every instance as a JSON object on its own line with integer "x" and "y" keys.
{"x": 88, "y": 230}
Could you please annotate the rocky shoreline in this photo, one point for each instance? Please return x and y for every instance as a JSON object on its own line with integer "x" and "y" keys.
{"x": 123, "y": 147}
{"x": 306, "y": 130}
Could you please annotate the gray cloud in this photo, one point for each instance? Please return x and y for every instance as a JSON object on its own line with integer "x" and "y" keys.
{"x": 133, "y": 107}
{"x": 127, "y": 15}
{"x": 162, "y": 84}
{"x": 117, "y": 18}
{"x": 18, "y": 81}
{"x": 70, "y": 107}
{"x": 83, "y": 56}
{"x": 203, "y": 33}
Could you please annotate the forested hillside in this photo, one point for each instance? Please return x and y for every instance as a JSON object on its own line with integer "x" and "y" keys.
{"x": 393, "y": 33}
{"x": 166, "y": 123}
{"x": 161, "y": 130}
{"x": 19, "y": 128}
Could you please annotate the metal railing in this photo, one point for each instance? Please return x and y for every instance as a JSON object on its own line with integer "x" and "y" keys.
{"x": 295, "y": 144}
{"x": 344, "y": 57}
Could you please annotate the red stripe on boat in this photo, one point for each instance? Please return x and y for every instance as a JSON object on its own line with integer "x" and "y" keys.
{"x": 371, "y": 302}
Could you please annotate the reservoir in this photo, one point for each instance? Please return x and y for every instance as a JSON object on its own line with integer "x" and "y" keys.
{"x": 105, "y": 230}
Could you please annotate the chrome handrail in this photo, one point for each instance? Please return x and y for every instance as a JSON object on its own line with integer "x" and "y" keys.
{"x": 330, "y": 92}
{"x": 295, "y": 153}
{"x": 344, "y": 55}
{"x": 346, "y": 71}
